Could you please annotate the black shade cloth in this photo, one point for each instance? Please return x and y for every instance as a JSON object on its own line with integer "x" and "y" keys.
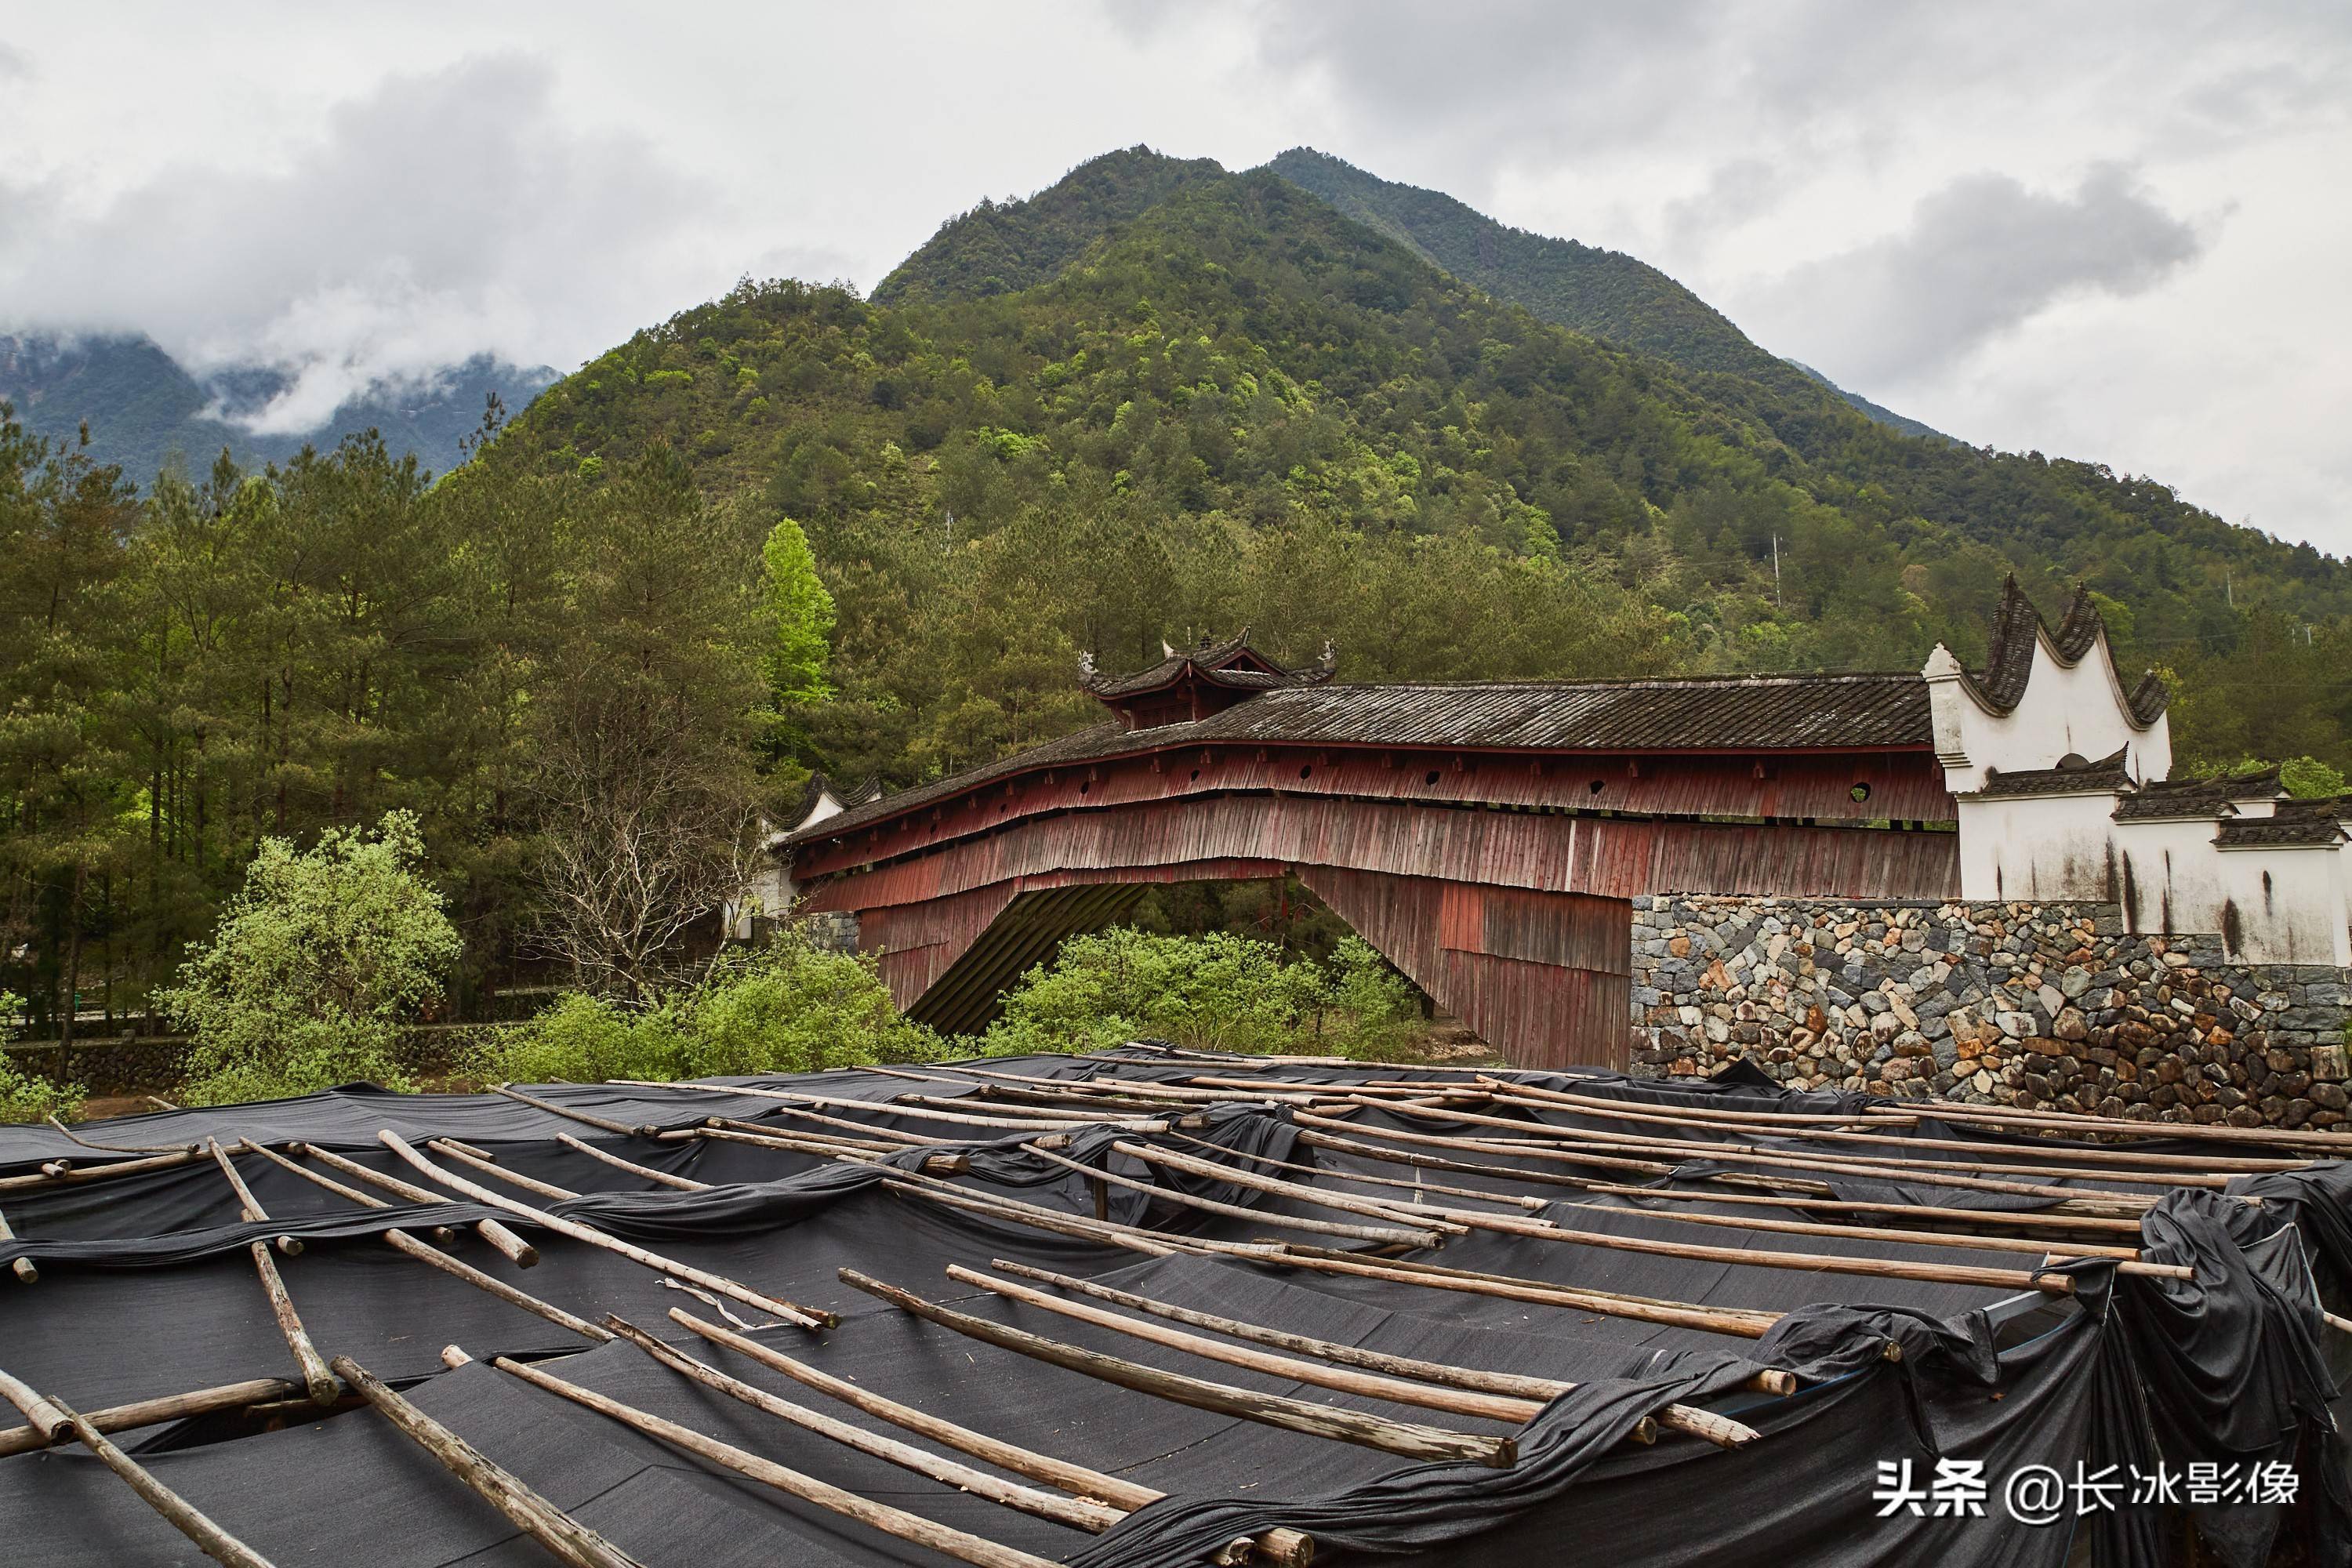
{"x": 147, "y": 1289}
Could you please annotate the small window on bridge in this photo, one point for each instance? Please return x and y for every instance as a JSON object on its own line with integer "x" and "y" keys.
{"x": 1305, "y": 771}
{"x": 1431, "y": 778}
{"x": 1595, "y": 786}
{"x": 1083, "y": 787}
{"x": 1196, "y": 774}
{"x": 1859, "y": 793}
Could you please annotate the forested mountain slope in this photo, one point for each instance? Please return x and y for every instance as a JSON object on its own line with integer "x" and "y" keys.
{"x": 1606, "y": 294}
{"x": 1233, "y": 403}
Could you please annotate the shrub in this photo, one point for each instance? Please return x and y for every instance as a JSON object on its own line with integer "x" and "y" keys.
{"x": 314, "y": 968}
{"x": 29, "y": 1097}
{"x": 789, "y": 1006}
{"x": 1216, "y": 991}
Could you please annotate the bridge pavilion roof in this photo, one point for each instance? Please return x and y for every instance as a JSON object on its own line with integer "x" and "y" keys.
{"x": 1752, "y": 713}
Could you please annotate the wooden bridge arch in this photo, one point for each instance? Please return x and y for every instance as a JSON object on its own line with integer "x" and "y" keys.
{"x": 1485, "y": 838}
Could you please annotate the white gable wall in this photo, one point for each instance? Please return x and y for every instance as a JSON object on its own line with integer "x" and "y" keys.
{"x": 2079, "y": 709}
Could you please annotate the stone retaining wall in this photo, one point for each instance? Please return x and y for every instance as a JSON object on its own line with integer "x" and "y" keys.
{"x": 2045, "y": 1005}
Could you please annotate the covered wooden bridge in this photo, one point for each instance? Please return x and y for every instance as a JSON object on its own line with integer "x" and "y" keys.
{"x": 1484, "y": 837}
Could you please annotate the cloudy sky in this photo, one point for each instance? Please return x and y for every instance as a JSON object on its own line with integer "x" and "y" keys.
{"x": 2112, "y": 232}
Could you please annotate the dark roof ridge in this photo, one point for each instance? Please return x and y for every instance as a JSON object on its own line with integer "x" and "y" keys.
{"x": 1632, "y": 682}
{"x": 2017, "y": 627}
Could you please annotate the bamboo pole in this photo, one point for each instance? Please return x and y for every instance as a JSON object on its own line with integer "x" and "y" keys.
{"x": 21, "y": 1267}
{"x": 1809, "y": 1262}
{"x": 662, "y": 1178}
{"x": 2089, "y": 1201}
{"x": 893, "y": 1521}
{"x": 549, "y": 1525}
{"x": 803, "y": 1317}
{"x": 1513, "y": 1409}
{"x": 1531, "y": 1392}
{"x": 433, "y": 1257}
{"x": 116, "y": 1148}
{"x": 2130, "y": 1256}
{"x": 1078, "y": 1481}
{"x": 867, "y": 1132}
{"x": 73, "y": 1176}
{"x": 183, "y": 1515}
{"x": 1910, "y": 1169}
{"x": 1062, "y": 1119}
{"x": 155, "y": 1412}
{"x": 48, "y": 1421}
{"x": 1386, "y": 1236}
{"x": 1280, "y": 1547}
{"x": 248, "y": 1207}
{"x": 315, "y": 1375}
{"x": 1409, "y": 1440}
{"x": 1584, "y": 1105}
{"x": 947, "y": 1195}
{"x": 516, "y": 1250}
{"x": 2327, "y": 1145}
{"x": 883, "y": 1106}
{"x": 601, "y": 1124}
{"x": 1740, "y": 1322}
{"x": 1078, "y": 1513}
{"x": 1329, "y": 1173}
{"x": 533, "y": 1184}
{"x": 2015, "y": 1219}
{"x": 793, "y": 1142}
{"x": 1298, "y": 1192}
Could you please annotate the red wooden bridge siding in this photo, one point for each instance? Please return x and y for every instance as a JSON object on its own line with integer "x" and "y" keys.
{"x": 1534, "y": 955}
{"x": 1548, "y": 972}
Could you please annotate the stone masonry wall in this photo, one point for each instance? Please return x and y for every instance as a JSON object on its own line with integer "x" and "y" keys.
{"x": 2048, "y": 1007}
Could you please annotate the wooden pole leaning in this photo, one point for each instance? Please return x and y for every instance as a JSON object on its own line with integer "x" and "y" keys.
{"x": 1740, "y": 1322}
{"x": 2162, "y": 1166}
{"x": 183, "y": 1515}
{"x": 1407, "y": 1439}
{"x": 248, "y": 1207}
{"x": 1298, "y": 1192}
{"x": 549, "y": 1525}
{"x": 602, "y": 1123}
{"x": 449, "y": 1149}
{"x": 895, "y": 1522}
{"x": 433, "y": 1257}
{"x": 1515, "y": 1200}
{"x": 1515, "y": 1409}
{"x": 1282, "y": 1548}
{"x": 2128, "y": 1257}
{"x": 1078, "y": 1513}
{"x": 802, "y": 1316}
{"x": 1606, "y": 1152}
{"x": 1532, "y": 1392}
{"x": 68, "y": 1175}
{"x": 155, "y": 1412}
{"x": 21, "y": 1267}
{"x": 1385, "y": 1235}
{"x": 514, "y": 1249}
{"x": 660, "y": 1178}
{"x": 315, "y": 1375}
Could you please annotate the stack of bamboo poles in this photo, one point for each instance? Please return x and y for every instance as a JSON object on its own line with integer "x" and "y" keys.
{"x": 1525, "y": 1160}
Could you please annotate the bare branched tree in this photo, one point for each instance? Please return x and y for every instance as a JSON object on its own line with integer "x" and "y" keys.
{"x": 641, "y": 835}
{"x": 644, "y": 796}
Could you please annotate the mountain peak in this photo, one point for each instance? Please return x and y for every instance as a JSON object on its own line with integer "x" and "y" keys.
{"x": 1004, "y": 247}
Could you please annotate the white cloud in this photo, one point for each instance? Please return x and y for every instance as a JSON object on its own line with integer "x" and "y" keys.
{"x": 441, "y": 215}
{"x": 1980, "y": 256}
